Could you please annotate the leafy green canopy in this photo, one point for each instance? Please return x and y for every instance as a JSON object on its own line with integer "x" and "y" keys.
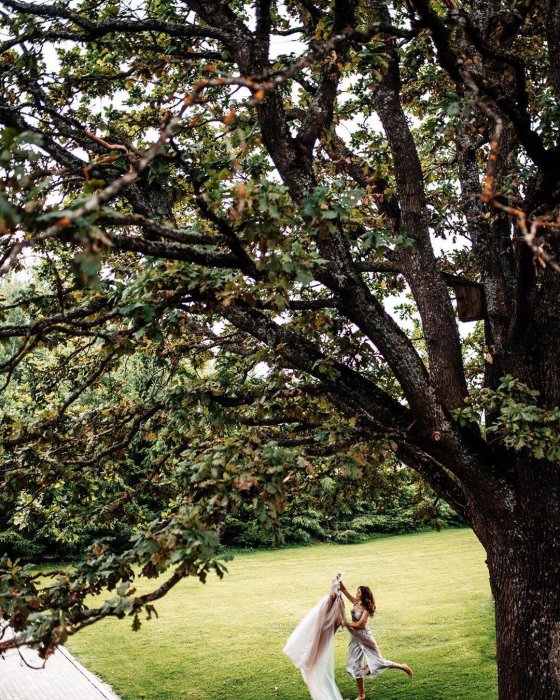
{"x": 221, "y": 279}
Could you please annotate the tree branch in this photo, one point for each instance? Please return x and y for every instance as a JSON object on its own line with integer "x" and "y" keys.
{"x": 96, "y": 30}
{"x": 417, "y": 261}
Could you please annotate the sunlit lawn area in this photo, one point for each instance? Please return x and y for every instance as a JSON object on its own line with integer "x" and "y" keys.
{"x": 224, "y": 639}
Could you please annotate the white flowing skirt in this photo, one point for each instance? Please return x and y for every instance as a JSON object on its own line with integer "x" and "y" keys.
{"x": 311, "y": 649}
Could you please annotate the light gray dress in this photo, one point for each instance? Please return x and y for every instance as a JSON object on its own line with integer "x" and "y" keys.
{"x": 364, "y": 658}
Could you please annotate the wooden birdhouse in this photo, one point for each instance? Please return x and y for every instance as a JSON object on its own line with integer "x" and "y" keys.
{"x": 470, "y": 298}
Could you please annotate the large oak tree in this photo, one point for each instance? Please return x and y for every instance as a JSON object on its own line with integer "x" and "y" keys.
{"x": 270, "y": 207}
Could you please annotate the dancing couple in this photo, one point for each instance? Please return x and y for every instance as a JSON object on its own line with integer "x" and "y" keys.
{"x": 311, "y": 645}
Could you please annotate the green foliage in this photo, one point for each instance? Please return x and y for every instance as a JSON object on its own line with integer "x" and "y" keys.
{"x": 183, "y": 360}
{"x": 349, "y": 536}
{"x": 515, "y": 418}
{"x": 17, "y": 546}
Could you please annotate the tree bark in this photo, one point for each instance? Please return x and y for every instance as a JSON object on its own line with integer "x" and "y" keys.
{"x": 525, "y": 590}
{"x": 524, "y": 566}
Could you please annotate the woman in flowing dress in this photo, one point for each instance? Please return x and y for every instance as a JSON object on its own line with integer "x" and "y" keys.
{"x": 364, "y": 657}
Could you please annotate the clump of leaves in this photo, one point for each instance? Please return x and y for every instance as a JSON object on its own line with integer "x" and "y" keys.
{"x": 514, "y": 417}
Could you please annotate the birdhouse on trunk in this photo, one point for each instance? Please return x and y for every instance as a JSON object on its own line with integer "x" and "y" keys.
{"x": 470, "y": 298}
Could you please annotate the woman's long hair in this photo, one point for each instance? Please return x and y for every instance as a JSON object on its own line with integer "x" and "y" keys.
{"x": 367, "y": 601}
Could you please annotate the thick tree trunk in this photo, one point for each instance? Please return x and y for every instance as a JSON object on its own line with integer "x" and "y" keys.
{"x": 527, "y": 628}
{"x": 524, "y": 565}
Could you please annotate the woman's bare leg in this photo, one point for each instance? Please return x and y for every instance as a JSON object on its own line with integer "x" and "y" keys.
{"x": 403, "y": 667}
{"x": 361, "y": 689}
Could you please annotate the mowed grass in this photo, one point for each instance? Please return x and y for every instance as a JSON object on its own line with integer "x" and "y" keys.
{"x": 223, "y": 640}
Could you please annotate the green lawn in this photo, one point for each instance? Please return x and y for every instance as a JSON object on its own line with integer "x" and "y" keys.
{"x": 224, "y": 640}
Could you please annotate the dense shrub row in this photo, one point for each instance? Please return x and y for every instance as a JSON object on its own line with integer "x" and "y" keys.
{"x": 305, "y": 525}
{"x": 43, "y": 545}
{"x": 243, "y": 530}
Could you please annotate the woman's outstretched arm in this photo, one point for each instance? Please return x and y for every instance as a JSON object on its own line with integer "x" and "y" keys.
{"x": 348, "y": 595}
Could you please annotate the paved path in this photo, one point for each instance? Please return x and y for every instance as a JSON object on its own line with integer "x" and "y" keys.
{"x": 62, "y": 678}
